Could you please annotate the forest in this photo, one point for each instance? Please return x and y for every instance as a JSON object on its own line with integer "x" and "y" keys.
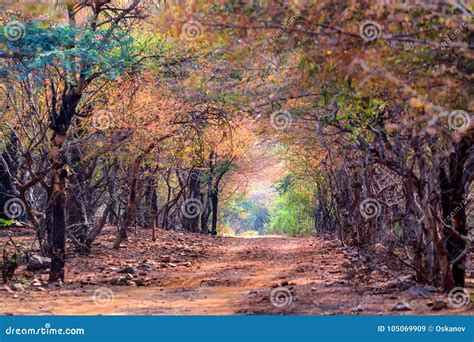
{"x": 236, "y": 156}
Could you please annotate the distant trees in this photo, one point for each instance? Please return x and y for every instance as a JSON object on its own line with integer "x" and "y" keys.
{"x": 292, "y": 212}
{"x": 243, "y": 215}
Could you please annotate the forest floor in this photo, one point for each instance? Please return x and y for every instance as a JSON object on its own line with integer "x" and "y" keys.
{"x": 190, "y": 274}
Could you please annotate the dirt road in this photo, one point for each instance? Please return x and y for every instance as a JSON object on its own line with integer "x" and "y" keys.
{"x": 227, "y": 276}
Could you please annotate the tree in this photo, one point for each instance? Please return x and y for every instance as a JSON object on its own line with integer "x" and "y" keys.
{"x": 78, "y": 54}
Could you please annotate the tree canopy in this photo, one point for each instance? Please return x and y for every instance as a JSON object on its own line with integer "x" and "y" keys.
{"x": 355, "y": 115}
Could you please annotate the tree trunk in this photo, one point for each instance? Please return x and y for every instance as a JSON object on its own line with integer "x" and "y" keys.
{"x": 453, "y": 201}
{"x": 208, "y": 203}
{"x": 130, "y": 211}
{"x": 164, "y": 223}
{"x": 192, "y": 217}
{"x": 76, "y": 215}
{"x": 94, "y": 233}
{"x": 59, "y": 125}
{"x": 206, "y": 213}
{"x": 58, "y": 218}
{"x": 150, "y": 207}
{"x": 7, "y": 187}
{"x": 215, "y": 206}
{"x": 132, "y": 202}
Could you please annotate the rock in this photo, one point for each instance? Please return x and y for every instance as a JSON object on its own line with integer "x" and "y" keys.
{"x": 351, "y": 273}
{"x": 431, "y": 288}
{"x": 36, "y": 282}
{"x": 127, "y": 269}
{"x": 17, "y": 287}
{"x": 395, "y": 283}
{"x": 402, "y": 306}
{"x": 329, "y": 282}
{"x": 129, "y": 276}
{"x": 140, "y": 282}
{"x": 146, "y": 265}
{"x": 142, "y": 274}
{"x": 166, "y": 258}
{"x": 38, "y": 263}
{"x": 439, "y": 305}
{"x": 170, "y": 264}
{"x": 7, "y": 288}
{"x": 422, "y": 290}
{"x": 131, "y": 283}
{"x": 357, "y": 308}
{"x": 39, "y": 288}
{"x": 121, "y": 281}
{"x": 187, "y": 264}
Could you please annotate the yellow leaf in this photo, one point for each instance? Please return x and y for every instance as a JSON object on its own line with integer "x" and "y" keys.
{"x": 416, "y": 103}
